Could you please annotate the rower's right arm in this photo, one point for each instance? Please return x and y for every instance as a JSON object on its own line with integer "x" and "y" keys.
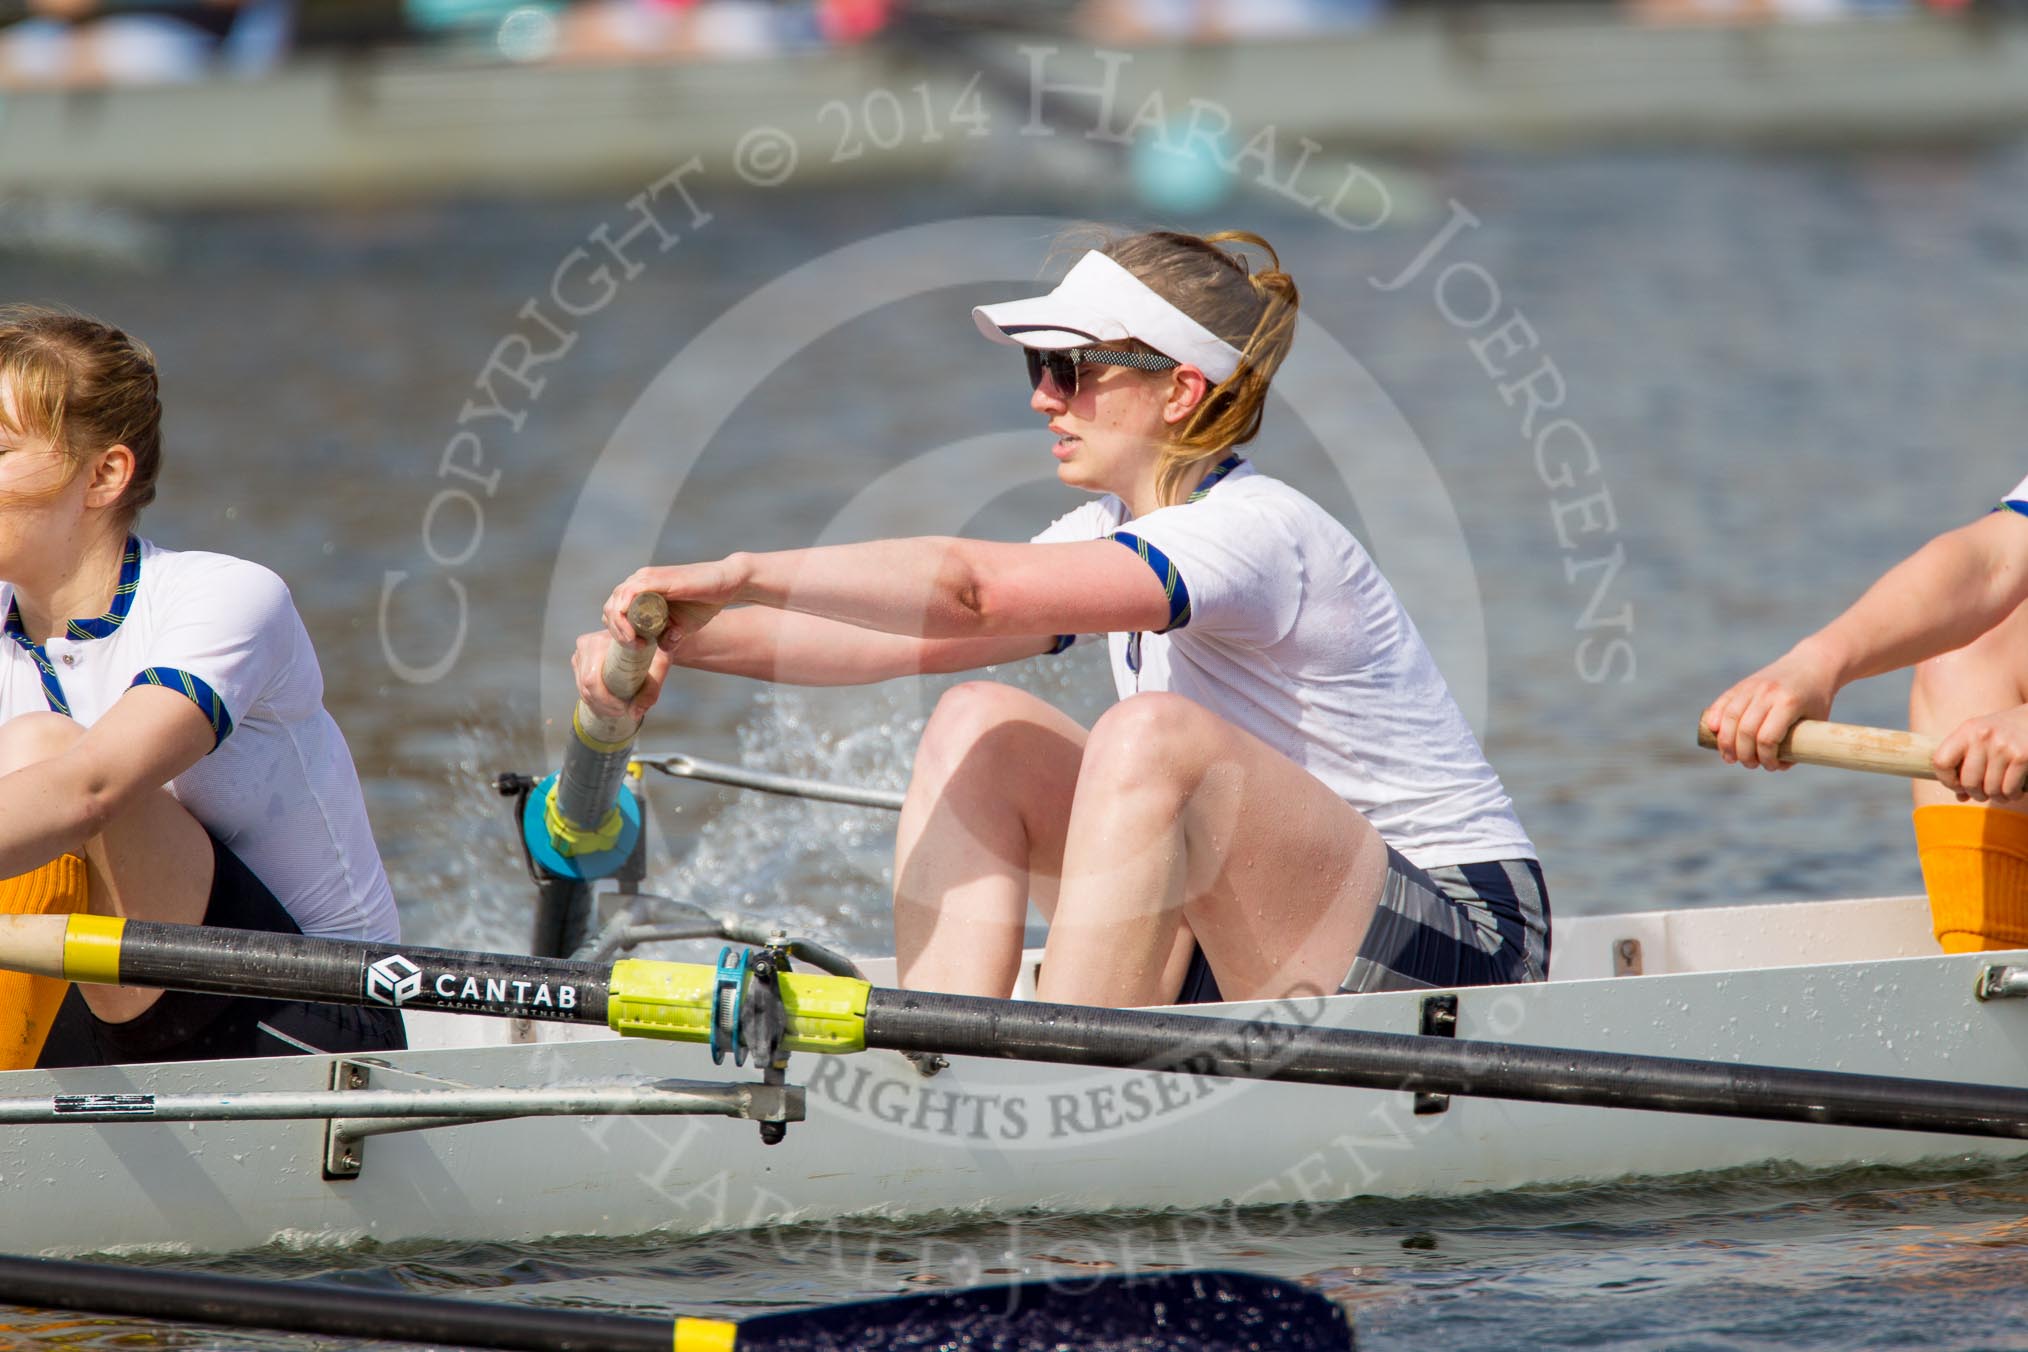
{"x": 800, "y": 649}
{"x": 792, "y": 648}
{"x": 1938, "y": 599}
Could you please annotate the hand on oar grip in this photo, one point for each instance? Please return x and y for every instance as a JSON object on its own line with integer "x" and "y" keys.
{"x": 1849, "y": 746}
{"x": 627, "y": 663}
{"x": 596, "y": 762}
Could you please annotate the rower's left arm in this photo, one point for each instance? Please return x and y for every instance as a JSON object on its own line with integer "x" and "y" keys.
{"x": 930, "y": 587}
{"x": 52, "y": 807}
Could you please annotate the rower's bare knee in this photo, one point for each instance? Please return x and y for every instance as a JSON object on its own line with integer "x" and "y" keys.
{"x": 987, "y": 742}
{"x": 1150, "y": 743}
{"x": 29, "y": 738}
{"x": 965, "y": 718}
{"x": 1933, "y": 686}
{"x": 1984, "y": 676}
{"x": 984, "y": 767}
{"x": 1953, "y": 678}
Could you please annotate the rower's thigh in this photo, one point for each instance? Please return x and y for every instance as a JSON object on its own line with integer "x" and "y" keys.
{"x": 1283, "y": 874}
{"x": 1985, "y": 676}
{"x": 993, "y": 751}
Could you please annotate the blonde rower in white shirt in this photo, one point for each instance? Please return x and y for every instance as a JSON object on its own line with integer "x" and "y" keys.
{"x": 1285, "y": 798}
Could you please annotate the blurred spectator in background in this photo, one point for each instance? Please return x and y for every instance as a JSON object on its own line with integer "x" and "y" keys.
{"x": 86, "y": 42}
{"x": 1751, "y": 11}
{"x": 1131, "y": 21}
{"x": 621, "y": 30}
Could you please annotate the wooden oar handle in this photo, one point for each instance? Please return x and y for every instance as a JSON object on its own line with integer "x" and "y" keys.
{"x": 1848, "y": 746}
{"x": 627, "y": 664}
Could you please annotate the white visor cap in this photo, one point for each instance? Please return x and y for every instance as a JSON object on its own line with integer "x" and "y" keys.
{"x": 1098, "y": 301}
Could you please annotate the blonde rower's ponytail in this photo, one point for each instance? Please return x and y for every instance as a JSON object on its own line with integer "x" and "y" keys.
{"x": 1255, "y": 311}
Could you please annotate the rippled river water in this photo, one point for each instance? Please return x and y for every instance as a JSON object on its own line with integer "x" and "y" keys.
{"x": 1792, "y": 370}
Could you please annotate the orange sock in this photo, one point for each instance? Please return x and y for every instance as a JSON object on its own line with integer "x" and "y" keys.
{"x": 28, "y": 1003}
{"x": 1975, "y": 867}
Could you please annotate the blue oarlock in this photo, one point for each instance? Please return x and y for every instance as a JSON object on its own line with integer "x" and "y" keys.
{"x": 556, "y": 854}
{"x": 728, "y": 1004}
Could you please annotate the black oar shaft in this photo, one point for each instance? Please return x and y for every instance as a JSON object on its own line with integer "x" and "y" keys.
{"x": 345, "y": 972}
{"x": 323, "y": 1308}
{"x": 342, "y": 971}
{"x": 1132, "y": 1038}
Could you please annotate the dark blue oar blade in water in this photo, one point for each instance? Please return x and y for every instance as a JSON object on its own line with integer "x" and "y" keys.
{"x": 1171, "y": 1311}
{"x": 1174, "y": 1312}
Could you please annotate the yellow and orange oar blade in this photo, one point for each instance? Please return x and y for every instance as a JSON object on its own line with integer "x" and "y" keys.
{"x": 28, "y": 1003}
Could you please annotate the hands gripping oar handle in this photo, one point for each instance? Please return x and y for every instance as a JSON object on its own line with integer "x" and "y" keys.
{"x": 626, "y": 669}
{"x": 586, "y": 826}
{"x": 1848, "y": 746}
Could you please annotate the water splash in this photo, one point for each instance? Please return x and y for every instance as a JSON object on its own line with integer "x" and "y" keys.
{"x": 822, "y": 870}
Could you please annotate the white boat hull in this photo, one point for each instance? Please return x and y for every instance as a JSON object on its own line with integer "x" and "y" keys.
{"x": 996, "y": 1135}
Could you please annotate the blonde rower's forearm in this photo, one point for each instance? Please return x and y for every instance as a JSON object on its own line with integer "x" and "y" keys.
{"x": 773, "y": 645}
{"x": 928, "y": 587}
{"x": 795, "y": 649}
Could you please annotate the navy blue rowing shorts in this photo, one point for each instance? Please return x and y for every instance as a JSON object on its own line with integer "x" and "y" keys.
{"x": 1440, "y": 928}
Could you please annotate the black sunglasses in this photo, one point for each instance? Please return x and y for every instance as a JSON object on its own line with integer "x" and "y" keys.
{"x": 1062, "y": 364}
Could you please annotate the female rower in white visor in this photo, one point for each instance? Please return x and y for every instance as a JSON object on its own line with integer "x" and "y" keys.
{"x": 1285, "y": 798}
{"x": 164, "y": 750}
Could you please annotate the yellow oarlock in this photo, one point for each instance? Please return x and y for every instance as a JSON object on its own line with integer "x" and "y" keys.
{"x": 826, "y": 1013}
{"x": 672, "y": 1000}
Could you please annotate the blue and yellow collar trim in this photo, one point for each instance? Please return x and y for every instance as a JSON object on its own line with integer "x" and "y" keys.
{"x": 101, "y": 625}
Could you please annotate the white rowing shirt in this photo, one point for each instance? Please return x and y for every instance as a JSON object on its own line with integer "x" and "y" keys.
{"x": 278, "y": 788}
{"x": 1281, "y": 624}
{"x": 2016, "y": 501}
